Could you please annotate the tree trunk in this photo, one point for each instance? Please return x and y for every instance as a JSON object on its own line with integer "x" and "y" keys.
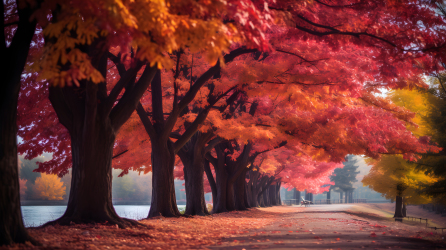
{"x": 211, "y": 180}
{"x": 230, "y": 197}
{"x": 247, "y": 196}
{"x": 404, "y": 210}
{"x": 163, "y": 188}
{"x": 12, "y": 229}
{"x": 193, "y": 162}
{"x": 239, "y": 192}
{"x": 92, "y": 149}
{"x": 254, "y": 187}
{"x": 272, "y": 195}
{"x": 328, "y": 197}
{"x": 260, "y": 199}
{"x": 398, "y": 207}
{"x": 14, "y": 59}
{"x": 278, "y": 200}
{"x": 222, "y": 181}
{"x": 266, "y": 201}
{"x": 341, "y": 197}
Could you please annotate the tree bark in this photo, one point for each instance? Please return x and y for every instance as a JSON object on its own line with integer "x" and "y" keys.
{"x": 163, "y": 188}
{"x": 266, "y": 201}
{"x": 239, "y": 192}
{"x": 254, "y": 186}
{"x": 90, "y": 198}
{"x": 211, "y": 180}
{"x": 278, "y": 199}
{"x": 193, "y": 161}
{"x": 247, "y": 196}
{"x": 398, "y": 207}
{"x": 14, "y": 59}
{"x": 221, "y": 176}
{"x": 12, "y": 229}
{"x": 222, "y": 182}
{"x": 272, "y": 195}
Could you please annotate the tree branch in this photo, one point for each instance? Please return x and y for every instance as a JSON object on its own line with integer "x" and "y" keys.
{"x": 193, "y": 128}
{"x": 127, "y": 104}
{"x": 190, "y": 95}
{"x": 126, "y": 77}
{"x": 212, "y": 160}
{"x": 148, "y": 126}
{"x": 212, "y": 144}
{"x": 333, "y": 31}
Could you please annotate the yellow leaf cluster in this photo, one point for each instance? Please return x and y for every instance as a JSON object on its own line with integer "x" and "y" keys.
{"x": 49, "y": 187}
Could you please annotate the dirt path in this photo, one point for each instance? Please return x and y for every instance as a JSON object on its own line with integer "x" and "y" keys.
{"x": 335, "y": 227}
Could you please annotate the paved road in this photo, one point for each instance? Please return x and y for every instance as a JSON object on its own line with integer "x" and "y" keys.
{"x": 335, "y": 227}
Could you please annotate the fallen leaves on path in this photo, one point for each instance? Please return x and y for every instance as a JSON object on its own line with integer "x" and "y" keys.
{"x": 161, "y": 233}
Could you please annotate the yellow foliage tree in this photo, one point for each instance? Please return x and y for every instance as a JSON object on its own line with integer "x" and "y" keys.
{"x": 49, "y": 187}
{"x": 395, "y": 177}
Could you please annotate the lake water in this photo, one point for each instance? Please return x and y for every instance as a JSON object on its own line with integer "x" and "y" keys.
{"x": 34, "y": 216}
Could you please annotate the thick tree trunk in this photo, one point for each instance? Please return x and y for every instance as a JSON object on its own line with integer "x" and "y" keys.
{"x": 239, "y": 192}
{"x": 266, "y": 201}
{"x": 230, "y": 197}
{"x": 260, "y": 199}
{"x": 90, "y": 198}
{"x": 222, "y": 182}
{"x": 398, "y": 207}
{"x": 163, "y": 188}
{"x": 254, "y": 188}
{"x": 193, "y": 162}
{"x": 272, "y": 195}
{"x": 12, "y": 229}
{"x": 255, "y": 196}
{"x": 92, "y": 124}
{"x": 14, "y": 59}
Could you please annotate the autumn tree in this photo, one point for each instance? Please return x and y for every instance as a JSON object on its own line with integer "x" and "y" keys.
{"x": 428, "y": 105}
{"x": 49, "y": 187}
{"x": 395, "y": 177}
{"x": 398, "y": 179}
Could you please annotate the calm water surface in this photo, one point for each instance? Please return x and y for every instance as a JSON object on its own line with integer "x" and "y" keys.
{"x": 34, "y": 216}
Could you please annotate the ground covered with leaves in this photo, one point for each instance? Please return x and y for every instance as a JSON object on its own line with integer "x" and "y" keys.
{"x": 318, "y": 227}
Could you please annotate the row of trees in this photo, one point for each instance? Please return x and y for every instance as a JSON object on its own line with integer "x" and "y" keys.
{"x": 252, "y": 94}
